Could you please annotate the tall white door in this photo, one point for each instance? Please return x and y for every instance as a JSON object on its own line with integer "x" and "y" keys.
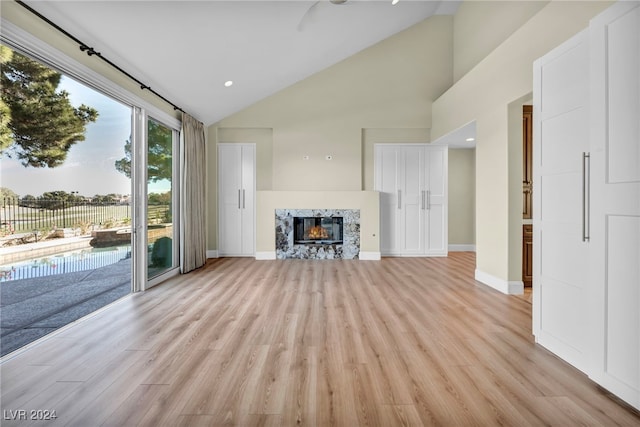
{"x": 435, "y": 203}
{"x": 236, "y": 199}
{"x": 387, "y": 160}
{"x": 412, "y": 181}
{"x": 561, "y": 247}
{"x": 615, "y": 217}
{"x": 412, "y": 176}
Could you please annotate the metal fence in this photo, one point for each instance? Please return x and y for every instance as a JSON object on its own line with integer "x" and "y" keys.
{"x": 62, "y": 264}
{"x": 28, "y": 215}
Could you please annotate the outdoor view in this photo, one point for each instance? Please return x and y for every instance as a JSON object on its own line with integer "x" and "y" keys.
{"x": 65, "y": 200}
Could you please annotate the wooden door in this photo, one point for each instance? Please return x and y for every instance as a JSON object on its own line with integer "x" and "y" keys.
{"x": 615, "y": 216}
{"x": 561, "y": 85}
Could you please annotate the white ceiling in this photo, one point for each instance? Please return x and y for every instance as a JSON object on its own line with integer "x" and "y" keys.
{"x": 186, "y": 50}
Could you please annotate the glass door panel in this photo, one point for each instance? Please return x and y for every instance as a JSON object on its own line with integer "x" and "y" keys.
{"x": 161, "y": 232}
{"x": 65, "y": 200}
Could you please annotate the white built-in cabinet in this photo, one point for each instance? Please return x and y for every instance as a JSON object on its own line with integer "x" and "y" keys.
{"x": 586, "y": 283}
{"x": 236, "y": 199}
{"x": 412, "y": 181}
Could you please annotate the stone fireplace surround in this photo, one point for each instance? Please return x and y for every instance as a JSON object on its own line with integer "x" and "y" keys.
{"x": 285, "y": 247}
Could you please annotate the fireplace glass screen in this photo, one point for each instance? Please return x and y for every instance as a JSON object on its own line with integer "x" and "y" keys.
{"x": 319, "y": 230}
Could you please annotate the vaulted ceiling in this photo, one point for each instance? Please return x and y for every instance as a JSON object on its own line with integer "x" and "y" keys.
{"x": 187, "y": 50}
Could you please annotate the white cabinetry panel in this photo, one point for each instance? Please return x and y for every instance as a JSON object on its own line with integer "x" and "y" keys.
{"x": 236, "y": 199}
{"x": 615, "y": 199}
{"x": 412, "y": 181}
{"x": 560, "y": 251}
{"x": 586, "y": 284}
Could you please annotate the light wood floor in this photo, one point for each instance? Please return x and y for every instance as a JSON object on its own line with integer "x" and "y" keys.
{"x": 403, "y": 341}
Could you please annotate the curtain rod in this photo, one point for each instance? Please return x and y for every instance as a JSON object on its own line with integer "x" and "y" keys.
{"x": 91, "y": 51}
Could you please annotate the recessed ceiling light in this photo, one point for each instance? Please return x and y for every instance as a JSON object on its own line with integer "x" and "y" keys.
{"x": 395, "y": 1}
{"x": 228, "y": 83}
{"x": 470, "y": 139}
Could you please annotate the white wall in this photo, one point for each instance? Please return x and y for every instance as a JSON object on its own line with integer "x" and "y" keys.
{"x": 462, "y": 200}
{"x": 382, "y": 94}
{"x": 484, "y": 95}
{"x": 481, "y": 26}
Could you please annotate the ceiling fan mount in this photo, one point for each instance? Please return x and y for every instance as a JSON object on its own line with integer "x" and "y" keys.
{"x": 309, "y": 14}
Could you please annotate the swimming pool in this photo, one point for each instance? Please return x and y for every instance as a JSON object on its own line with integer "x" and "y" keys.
{"x": 66, "y": 262}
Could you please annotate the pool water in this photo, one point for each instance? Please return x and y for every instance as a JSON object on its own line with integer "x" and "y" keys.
{"x": 66, "y": 262}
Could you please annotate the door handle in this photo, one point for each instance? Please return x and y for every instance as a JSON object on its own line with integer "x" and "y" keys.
{"x": 244, "y": 205}
{"x": 239, "y": 199}
{"x": 424, "y": 205}
{"x": 399, "y": 199}
{"x": 586, "y": 199}
{"x": 586, "y": 172}
{"x": 428, "y": 200}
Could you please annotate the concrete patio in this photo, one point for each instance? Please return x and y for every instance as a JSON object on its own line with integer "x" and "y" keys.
{"x": 33, "y": 308}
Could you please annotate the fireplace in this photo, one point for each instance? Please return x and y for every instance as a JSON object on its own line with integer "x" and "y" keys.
{"x": 330, "y": 233}
{"x": 317, "y": 230}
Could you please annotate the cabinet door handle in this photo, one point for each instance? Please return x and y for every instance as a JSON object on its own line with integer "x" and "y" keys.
{"x": 423, "y": 200}
{"x": 244, "y": 205}
{"x": 428, "y": 200}
{"x": 586, "y": 187}
{"x": 399, "y": 199}
{"x": 239, "y": 207}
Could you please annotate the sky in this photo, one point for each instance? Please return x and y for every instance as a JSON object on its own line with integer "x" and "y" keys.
{"x": 89, "y": 168}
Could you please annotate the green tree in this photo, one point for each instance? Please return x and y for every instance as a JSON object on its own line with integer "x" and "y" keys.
{"x": 56, "y": 199}
{"x": 159, "y": 198}
{"x": 124, "y": 165}
{"x": 5, "y": 113}
{"x": 42, "y": 123}
{"x": 158, "y": 156}
{"x": 108, "y": 199}
{"x": 7, "y": 193}
{"x": 29, "y": 201}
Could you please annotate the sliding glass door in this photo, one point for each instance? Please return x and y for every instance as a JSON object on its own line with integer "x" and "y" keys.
{"x": 127, "y": 197}
{"x": 65, "y": 200}
{"x": 161, "y": 197}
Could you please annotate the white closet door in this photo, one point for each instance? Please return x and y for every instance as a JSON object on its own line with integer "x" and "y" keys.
{"x": 615, "y": 218}
{"x": 412, "y": 224}
{"x": 561, "y": 255}
{"x": 412, "y": 181}
{"x": 387, "y": 183}
{"x": 229, "y": 202}
{"x": 435, "y": 201}
{"x": 236, "y": 199}
{"x": 248, "y": 200}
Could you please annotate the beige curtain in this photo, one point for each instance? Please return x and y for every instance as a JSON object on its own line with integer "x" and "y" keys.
{"x": 192, "y": 208}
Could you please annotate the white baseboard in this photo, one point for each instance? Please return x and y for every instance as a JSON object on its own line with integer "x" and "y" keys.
{"x": 462, "y": 248}
{"x": 267, "y": 255}
{"x": 369, "y": 256}
{"x": 513, "y": 287}
{"x": 516, "y": 287}
{"x": 212, "y": 254}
